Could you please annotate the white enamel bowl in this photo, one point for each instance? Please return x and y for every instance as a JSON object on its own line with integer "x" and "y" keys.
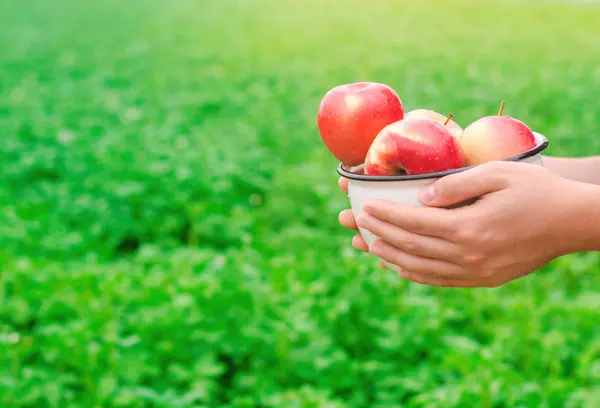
{"x": 404, "y": 189}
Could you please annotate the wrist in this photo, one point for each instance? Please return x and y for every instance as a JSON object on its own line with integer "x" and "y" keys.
{"x": 584, "y": 218}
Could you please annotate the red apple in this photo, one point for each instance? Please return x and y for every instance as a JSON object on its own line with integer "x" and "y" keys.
{"x": 414, "y": 146}
{"x": 350, "y": 117}
{"x": 452, "y": 126}
{"x": 494, "y": 138}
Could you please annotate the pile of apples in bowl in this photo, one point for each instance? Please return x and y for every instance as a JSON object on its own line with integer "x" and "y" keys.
{"x": 388, "y": 154}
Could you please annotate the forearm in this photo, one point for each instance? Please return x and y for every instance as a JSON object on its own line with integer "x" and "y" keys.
{"x": 586, "y": 170}
{"x": 585, "y": 220}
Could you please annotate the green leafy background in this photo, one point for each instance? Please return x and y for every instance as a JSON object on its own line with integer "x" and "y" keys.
{"x": 168, "y": 213}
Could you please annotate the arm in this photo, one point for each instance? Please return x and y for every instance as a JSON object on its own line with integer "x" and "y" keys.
{"x": 585, "y": 169}
{"x": 589, "y": 205}
{"x": 526, "y": 217}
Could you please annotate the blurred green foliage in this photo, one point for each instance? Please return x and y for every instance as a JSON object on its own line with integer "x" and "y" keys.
{"x": 168, "y": 214}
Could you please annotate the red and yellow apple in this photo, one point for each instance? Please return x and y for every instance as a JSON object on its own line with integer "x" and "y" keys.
{"x": 452, "y": 126}
{"x": 350, "y": 117}
{"x": 415, "y": 145}
{"x": 495, "y": 138}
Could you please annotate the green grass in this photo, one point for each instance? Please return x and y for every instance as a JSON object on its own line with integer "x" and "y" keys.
{"x": 168, "y": 213}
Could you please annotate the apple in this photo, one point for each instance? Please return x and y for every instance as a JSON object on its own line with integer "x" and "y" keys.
{"x": 452, "y": 126}
{"x": 415, "y": 145}
{"x": 350, "y": 117}
{"x": 495, "y": 138}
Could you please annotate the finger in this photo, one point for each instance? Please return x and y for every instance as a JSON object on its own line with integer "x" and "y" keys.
{"x": 346, "y": 218}
{"x": 432, "y": 268}
{"x": 433, "y": 222}
{"x": 467, "y": 185}
{"x": 427, "y": 280}
{"x": 415, "y": 244}
{"x": 343, "y": 183}
{"x": 359, "y": 243}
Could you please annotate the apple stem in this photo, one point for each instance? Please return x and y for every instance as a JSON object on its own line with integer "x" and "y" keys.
{"x": 449, "y": 118}
{"x": 501, "y": 109}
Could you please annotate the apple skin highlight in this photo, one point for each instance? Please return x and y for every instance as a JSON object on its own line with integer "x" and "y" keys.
{"x": 495, "y": 138}
{"x": 414, "y": 146}
{"x": 350, "y": 117}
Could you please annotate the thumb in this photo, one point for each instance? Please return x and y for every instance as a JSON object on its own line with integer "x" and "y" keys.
{"x": 465, "y": 186}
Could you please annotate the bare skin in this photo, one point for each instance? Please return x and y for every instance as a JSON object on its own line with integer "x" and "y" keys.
{"x": 525, "y": 217}
{"x": 585, "y": 169}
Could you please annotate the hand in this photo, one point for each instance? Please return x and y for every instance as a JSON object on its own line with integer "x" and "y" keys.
{"x": 524, "y": 217}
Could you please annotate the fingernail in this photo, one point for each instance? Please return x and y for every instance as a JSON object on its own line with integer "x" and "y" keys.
{"x": 403, "y": 274}
{"x": 368, "y": 206}
{"x": 362, "y": 221}
{"x": 427, "y": 195}
{"x": 375, "y": 248}
{"x": 354, "y": 243}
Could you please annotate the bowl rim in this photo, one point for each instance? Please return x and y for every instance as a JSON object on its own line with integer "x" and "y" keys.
{"x": 540, "y": 147}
